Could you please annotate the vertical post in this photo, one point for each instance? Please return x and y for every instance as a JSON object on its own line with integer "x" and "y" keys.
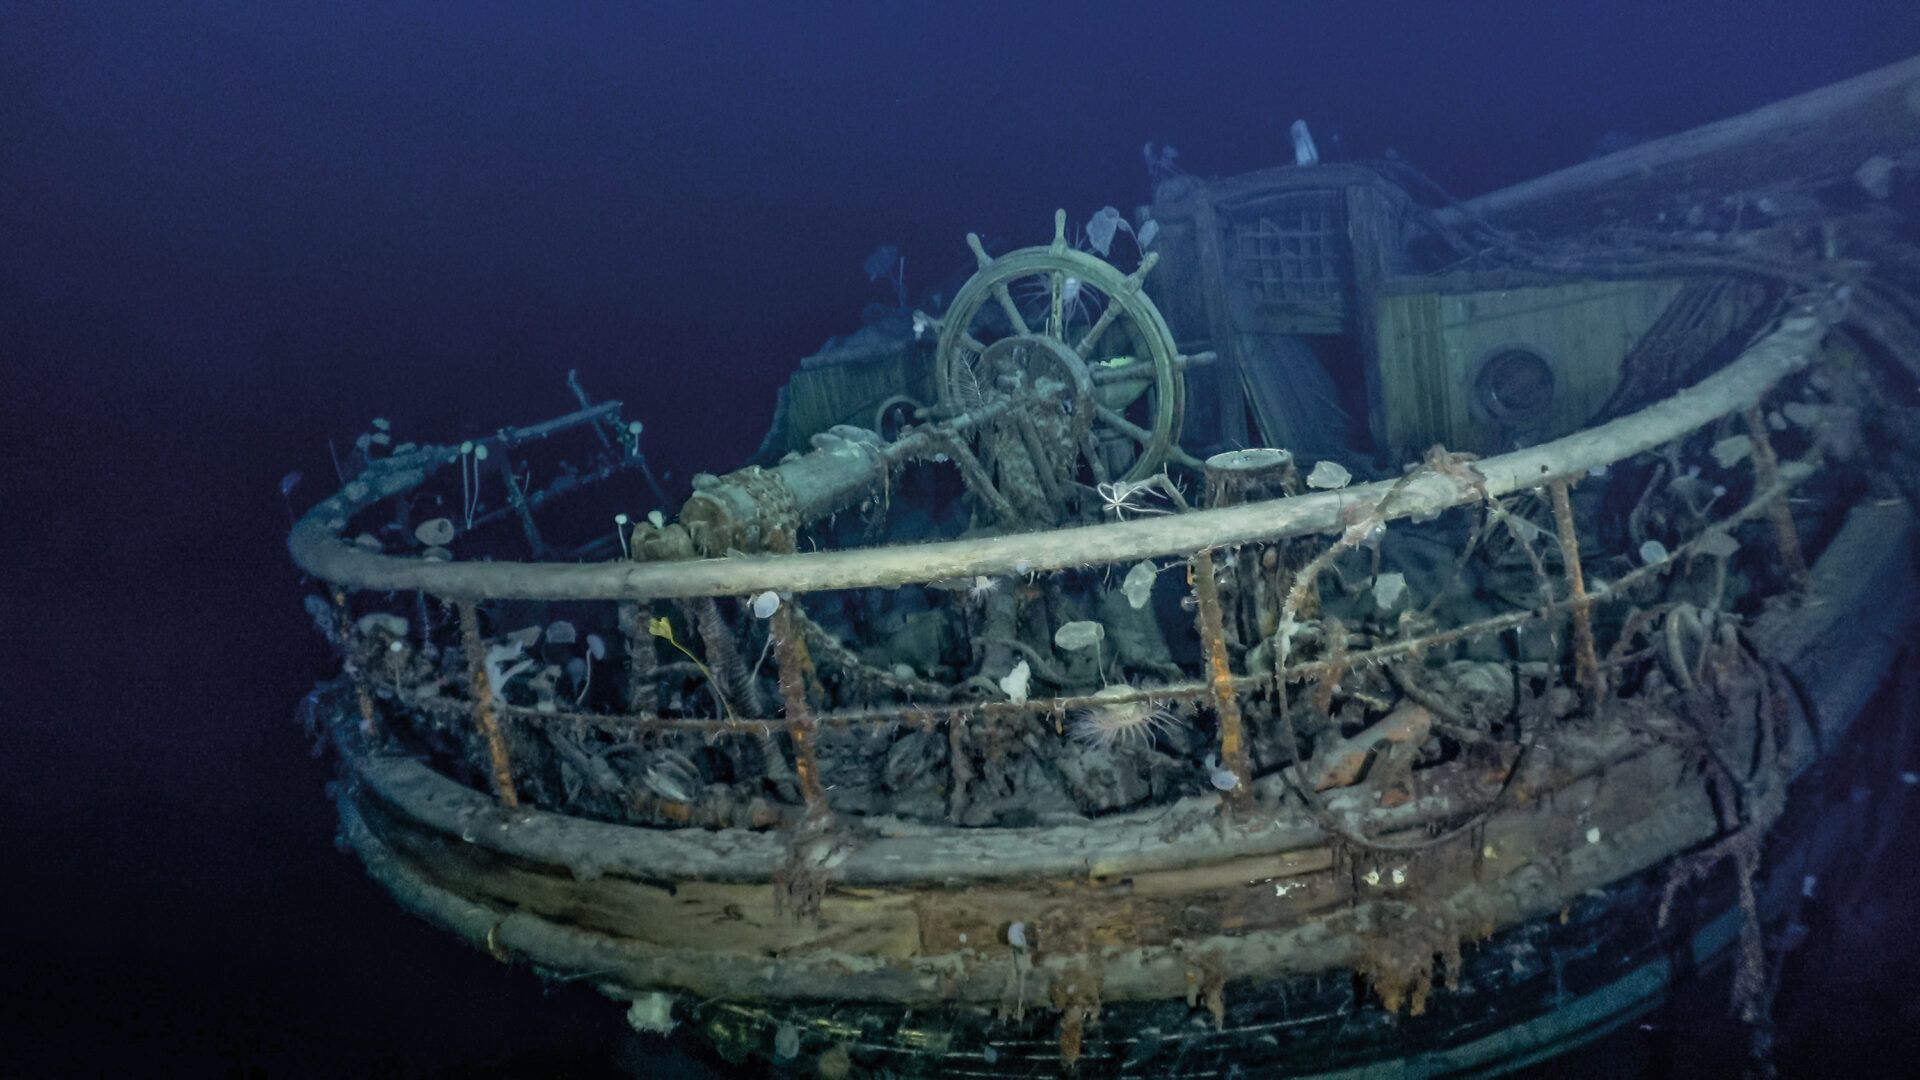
{"x": 1213, "y": 641}
{"x": 1372, "y": 241}
{"x": 343, "y": 629}
{"x": 1766, "y": 474}
{"x": 1228, "y": 390}
{"x": 483, "y": 716}
{"x": 790, "y": 654}
{"x": 643, "y": 662}
{"x": 1586, "y": 664}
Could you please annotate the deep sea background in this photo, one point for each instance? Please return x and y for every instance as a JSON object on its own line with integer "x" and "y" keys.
{"x": 232, "y": 231}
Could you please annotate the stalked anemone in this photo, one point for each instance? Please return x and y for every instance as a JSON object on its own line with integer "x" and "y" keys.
{"x": 1123, "y": 723}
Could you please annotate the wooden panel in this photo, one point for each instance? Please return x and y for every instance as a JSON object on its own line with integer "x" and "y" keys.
{"x": 717, "y": 916}
{"x": 1154, "y": 909}
{"x": 846, "y": 386}
{"x": 1432, "y": 343}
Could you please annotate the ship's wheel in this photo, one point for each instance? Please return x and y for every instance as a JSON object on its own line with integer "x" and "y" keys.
{"x": 1066, "y": 348}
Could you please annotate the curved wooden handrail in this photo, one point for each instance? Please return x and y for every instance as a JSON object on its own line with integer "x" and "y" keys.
{"x": 318, "y": 549}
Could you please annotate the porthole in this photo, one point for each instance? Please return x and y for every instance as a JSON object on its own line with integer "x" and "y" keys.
{"x": 1514, "y": 387}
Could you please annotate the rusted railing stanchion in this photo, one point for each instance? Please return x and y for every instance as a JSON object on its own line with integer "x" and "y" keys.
{"x": 1766, "y": 475}
{"x": 343, "y": 638}
{"x": 1213, "y": 641}
{"x": 790, "y": 654}
{"x": 643, "y": 661}
{"x": 1586, "y": 662}
{"x": 484, "y": 718}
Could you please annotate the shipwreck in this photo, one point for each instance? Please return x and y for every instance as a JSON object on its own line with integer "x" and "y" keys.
{"x": 1304, "y": 627}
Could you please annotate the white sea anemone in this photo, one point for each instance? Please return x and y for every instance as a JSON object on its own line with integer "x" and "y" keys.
{"x": 1123, "y": 723}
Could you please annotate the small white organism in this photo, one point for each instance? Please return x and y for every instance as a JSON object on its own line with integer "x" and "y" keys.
{"x": 1122, "y": 497}
{"x": 1017, "y": 682}
{"x": 596, "y": 650}
{"x": 1077, "y": 304}
{"x": 1220, "y": 776}
{"x": 1075, "y": 636}
{"x": 1017, "y": 935}
{"x": 1653, "y": 551}
{"x": 1329, "y": 476}
{"x": 1080, "y": 635}
{"x": 435, "y": 533}
{"x": 651, "y": 1013}
{"x": 765, "y": 604}
{"x": 1731, "y": 450}
{"x": 1304, "y": 152}
{"x": 1101, "y": 228}
{"x": 786, "y": 1043}
{"x": 497, "y": 672}
{"x": 620, "y": 533}
{"x": 1072, "y": 307}
{"x": 1138, "y": 586}
{"x": 1388, "y": 589}
{"x": 982, "y": 587}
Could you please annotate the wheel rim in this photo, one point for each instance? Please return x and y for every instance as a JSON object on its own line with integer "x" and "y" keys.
{"x": 986, "y": 314}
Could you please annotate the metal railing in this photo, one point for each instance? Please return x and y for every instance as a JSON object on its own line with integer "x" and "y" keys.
{"x": 1350, "y": 516}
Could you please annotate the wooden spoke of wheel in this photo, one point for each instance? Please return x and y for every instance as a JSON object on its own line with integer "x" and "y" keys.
{"x": 1092, "y": 337}
{"x": 1000, "y": 290}
{"x": 1144, "y": 437}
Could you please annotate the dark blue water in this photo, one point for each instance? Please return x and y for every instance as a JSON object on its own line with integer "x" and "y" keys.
{"x": 229, "y": 232}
